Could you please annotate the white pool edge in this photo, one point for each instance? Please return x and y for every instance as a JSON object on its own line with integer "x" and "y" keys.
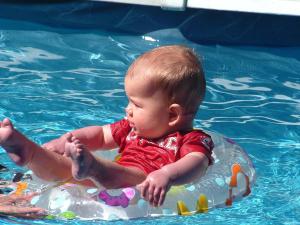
{"x": 278, "y": 7}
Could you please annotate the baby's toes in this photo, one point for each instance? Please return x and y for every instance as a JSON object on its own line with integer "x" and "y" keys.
{"x": 72, "y": 149}
{"x": 74, "y": 139}
{"x": 78, "y": 146}
{"x": 76, "y": 142}
{"x": 78, "y": 150}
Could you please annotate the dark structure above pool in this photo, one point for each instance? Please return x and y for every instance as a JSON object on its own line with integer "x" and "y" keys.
{"x": 198, "y": 25}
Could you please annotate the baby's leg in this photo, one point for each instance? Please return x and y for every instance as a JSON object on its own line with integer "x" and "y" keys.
{"x": 104, "y": 172}
{"x": 45, "y": 164}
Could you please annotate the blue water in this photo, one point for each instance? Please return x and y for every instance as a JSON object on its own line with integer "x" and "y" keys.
{"x": 53, "y": 80}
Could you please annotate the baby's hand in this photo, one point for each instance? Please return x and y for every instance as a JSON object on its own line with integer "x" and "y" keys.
{"x": 155, "y": 187}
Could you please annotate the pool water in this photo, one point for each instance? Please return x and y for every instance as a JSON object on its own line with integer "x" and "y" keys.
{"x": 53, "y": 80}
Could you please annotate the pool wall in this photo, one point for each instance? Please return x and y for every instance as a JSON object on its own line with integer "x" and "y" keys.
{"x": 198, "y": 25}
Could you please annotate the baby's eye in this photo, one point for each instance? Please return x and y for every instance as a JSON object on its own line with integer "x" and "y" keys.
{"x": 137, "y": 105}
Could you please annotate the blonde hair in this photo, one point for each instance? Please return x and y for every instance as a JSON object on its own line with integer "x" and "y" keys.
{"x": 177, "y": 71}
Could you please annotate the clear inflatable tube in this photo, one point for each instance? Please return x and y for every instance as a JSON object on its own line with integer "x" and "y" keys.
{"x": 229, "y": 178}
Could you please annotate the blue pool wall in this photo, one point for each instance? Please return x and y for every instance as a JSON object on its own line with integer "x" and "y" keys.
{"x": 198, "y": 25}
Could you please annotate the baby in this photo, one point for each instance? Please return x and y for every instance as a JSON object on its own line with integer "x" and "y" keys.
{"x": 157, "y": 143}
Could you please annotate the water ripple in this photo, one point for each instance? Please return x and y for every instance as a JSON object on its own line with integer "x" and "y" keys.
{"x": 280, "y": 144}
{"x": 24, "y": 55}
{"x": 292, "y": 85}
{"x": 249, "y": 119}
{"x": 237, "y": 86}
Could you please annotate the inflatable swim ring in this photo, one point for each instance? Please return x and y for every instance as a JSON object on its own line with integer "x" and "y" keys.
{"x": 229, "y": 178}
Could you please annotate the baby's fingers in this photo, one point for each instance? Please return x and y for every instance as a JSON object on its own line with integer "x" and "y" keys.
{"x": 156, "y": 196}
{"x": 143, "y": 187}
{"x": 151, "y": 193}
{"x": 162, "y": 197}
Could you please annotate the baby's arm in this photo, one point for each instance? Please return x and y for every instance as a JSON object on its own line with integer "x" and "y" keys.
{"x": 183, "y": 171}
{"x": 187, "y": 169}
{"x": 93, "y": 137}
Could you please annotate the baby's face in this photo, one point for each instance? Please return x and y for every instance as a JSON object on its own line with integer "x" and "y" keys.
{"x": 147, "y": 110}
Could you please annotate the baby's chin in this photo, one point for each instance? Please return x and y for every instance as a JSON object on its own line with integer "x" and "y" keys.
{"x": 140, "y": 133}
{"x": 146, "y": 136}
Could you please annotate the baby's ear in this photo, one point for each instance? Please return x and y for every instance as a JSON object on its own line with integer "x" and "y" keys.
{"x": 175, "y": 113}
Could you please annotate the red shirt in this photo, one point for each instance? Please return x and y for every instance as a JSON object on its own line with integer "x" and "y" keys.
{"x": 151, "y": 155}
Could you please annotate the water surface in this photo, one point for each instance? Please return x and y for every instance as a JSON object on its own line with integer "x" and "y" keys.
{"x": 56, "y": 80}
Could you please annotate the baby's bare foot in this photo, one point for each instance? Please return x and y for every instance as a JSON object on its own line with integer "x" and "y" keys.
{"x": 16, "y": 144}
{"x": 82, "y": 159}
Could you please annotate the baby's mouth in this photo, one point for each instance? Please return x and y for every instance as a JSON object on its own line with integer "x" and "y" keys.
{"x": 132, "y": 125}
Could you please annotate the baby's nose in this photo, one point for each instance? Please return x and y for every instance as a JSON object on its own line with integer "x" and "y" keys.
{"x": 128, "y": 111}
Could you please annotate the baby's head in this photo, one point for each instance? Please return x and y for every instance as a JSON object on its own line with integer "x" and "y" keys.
{"x": 165, "y": 87}
{"x": 174, "y": 69}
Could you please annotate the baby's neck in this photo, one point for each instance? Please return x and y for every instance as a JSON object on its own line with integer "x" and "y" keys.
{"x": 185, "y": 125}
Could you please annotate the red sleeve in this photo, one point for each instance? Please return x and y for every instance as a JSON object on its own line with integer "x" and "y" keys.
{"x": 120, "y": 130}
{"x": 197, "y": 141}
